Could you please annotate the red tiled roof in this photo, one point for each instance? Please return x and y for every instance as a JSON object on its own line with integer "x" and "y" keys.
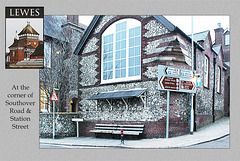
{"x": 17, "y": 43}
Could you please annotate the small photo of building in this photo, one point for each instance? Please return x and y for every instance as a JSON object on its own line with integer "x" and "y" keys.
{"x": 24, "y": 43}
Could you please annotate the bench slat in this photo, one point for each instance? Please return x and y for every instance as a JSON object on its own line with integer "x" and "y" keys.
{"x": 101, "y": 131}
{"x": 112, "y": 128}
{"x": 131, "y": 125}
{"x": 116, "y": 129}
{"x": 114, "y": 125}
{"x": 129, "y": 129}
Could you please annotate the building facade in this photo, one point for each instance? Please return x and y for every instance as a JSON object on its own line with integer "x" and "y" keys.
{"x": 61, "y": 34}
{"x": 121, "y": 54}
{"x": 24, "y": 45}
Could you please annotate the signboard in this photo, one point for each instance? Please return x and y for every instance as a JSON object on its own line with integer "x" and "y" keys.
{"x": 54, "y": 97}
{"x": 176, "y": 79}
{"x": 187, "y": 85}
{"x": 171, "y": 83}
{"x": 186, "y": 73}
{"x": 172, "y": 71}
{"x": 199, "y": 82}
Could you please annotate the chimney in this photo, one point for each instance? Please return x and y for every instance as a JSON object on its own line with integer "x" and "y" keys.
{"x": 218, "y": 34}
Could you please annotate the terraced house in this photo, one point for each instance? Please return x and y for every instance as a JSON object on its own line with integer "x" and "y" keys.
{"x": 118, "y": 75}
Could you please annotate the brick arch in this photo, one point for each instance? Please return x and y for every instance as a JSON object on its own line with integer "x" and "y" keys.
{"x": 73, "y": 106}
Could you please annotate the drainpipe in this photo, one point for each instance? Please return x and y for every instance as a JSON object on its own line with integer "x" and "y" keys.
{"x": 213, "y": 96}
{"x": 194, "y": 96}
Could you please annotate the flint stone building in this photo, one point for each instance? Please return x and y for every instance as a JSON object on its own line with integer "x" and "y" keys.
{"x": 121, "y": 54}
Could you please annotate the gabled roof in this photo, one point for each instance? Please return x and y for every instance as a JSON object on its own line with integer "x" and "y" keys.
{"x": 52, "y": 27}
{"x": 28, "y": 30}
{"x": 160, "y": 18}
{"x": 17, "y": 43}
{"x": 39, "y": 51}
{"x": 216, "y": 48}
{"x": 200, "y": 36}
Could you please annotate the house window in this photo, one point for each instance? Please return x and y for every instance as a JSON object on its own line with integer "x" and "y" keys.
{"x": 227, "y": 39}
{"x": 13, "y": 54}
{"x": 219, "y": 80}
{"x": 121, "y": 51}
{"x": 206, "y": 71}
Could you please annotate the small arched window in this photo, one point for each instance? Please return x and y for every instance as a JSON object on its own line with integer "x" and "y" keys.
{"x": 121, "y": 51}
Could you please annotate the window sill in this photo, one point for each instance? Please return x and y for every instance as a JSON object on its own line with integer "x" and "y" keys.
{"x": 120, "y": 82}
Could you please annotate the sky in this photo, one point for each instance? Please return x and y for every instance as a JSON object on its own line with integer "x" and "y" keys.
{"x": 17, "y": 24}
{"x": 200, "y": 23}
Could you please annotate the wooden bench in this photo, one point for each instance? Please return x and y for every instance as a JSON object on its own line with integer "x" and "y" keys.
{"x": 116, "y": 129}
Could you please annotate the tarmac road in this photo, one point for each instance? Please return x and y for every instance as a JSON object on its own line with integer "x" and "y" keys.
{"x": 215, "y": 144}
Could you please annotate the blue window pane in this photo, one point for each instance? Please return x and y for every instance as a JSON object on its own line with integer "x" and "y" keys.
{"x": 131, "y": 32}
{"x": 137, "y": 41}
{"x": 110, "y": 74}
{"x": 131, "y": 62}
{"x": 117, "y": 55}
{"x": 123, "y": 44}
{"x": 131, "y": 72}
{"x": 104, "y": 66}
{"x": 105, "y": 39}
{"x": 117, "y": 73}
{"x": 131, "y": 52}
{"x": 117, "y": 64}
{"x": 111, "y": 38}
{"x": 123, "y": 35}
{"x": 117, "y": 45}
{"x": 106, "y": 48}
{"x": 123, "y": 73}
{"x": 104, "y": 57}
{"x": 131, "y": 42}
{"x": 110, "y": 65}
{"x": 137, "y": 71}
{"x": 110, "y": 47}
{"x": 123, "y": 53}
{"x": 118, "y": 36}
{"x": 104, "y": 75}
{"x": 118, "y": 27}
{"x": 124, "y": 25}
{"x": 123, "y": 63}
{"x": 110, "y": 56}
{"x": 137, "y": 50}
{"x": 137, "y": 31}
{"x": 137, "y": 60}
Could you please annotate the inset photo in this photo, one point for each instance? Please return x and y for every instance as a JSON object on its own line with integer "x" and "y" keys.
{"x": 24, "y": 43}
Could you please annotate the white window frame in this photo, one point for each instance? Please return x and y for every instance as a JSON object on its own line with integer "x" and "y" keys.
{"x": 227, "y": 39}
{"x": 219, "y": 80}
{"x": 206, "y": 71}
{"x": 131, "y": 23}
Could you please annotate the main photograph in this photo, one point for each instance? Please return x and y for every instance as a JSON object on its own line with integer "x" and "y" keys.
{"x": 131, "y": 80}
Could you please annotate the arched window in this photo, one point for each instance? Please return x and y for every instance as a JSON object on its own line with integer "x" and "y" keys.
{"x": 121, "y": 51}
